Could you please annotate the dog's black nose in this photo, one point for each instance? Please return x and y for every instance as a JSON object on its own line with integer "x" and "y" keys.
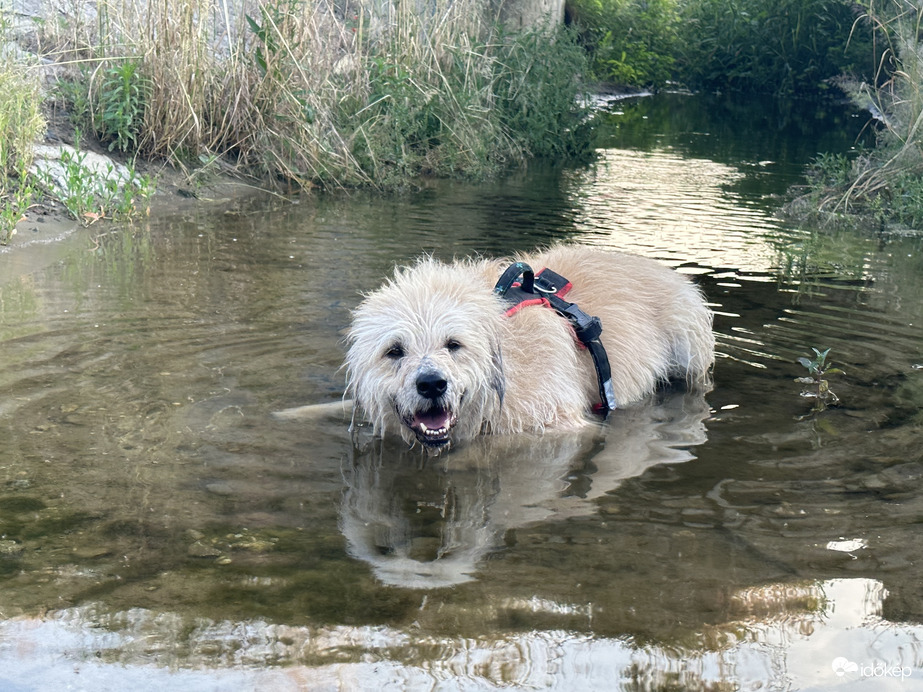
{"x": 431, "y": 385}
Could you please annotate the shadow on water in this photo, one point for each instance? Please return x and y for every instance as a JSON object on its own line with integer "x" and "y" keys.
{"x": 159, "y": 526}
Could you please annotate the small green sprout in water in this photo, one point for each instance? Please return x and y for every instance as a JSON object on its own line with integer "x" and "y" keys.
{"x": 818, "y": 388}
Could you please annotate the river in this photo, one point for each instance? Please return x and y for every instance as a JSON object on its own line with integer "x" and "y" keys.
{"x": 162, "y": 527}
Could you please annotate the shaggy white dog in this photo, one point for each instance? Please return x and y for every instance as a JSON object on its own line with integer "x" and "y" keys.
{"x": 434, "y": 356}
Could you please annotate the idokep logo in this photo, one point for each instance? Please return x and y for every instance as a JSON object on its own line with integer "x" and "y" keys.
{"x": 841, "y": 666}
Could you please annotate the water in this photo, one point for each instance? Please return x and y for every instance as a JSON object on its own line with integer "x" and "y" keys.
{"x": 161, "y": 527}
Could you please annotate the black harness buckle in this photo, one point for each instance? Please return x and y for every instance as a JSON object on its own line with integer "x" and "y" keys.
{"x": 586, "y": 328}
{"x": 520, "y": 286}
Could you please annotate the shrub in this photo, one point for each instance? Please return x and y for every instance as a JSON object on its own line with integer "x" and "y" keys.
{"x": 780, "y": 47}
{"x": 537, "y": 88}
{"x": 630, "y": 42}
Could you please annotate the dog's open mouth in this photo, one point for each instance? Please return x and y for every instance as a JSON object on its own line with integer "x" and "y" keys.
{"x": 432, "y": 425}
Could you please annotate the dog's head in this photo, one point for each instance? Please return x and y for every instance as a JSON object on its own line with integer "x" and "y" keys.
{"x": 424, "y": 354}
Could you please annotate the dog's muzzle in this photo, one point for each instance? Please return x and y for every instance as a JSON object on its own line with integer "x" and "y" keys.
{"x": 433, "y": 421}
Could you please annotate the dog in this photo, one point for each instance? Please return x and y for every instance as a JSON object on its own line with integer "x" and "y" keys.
{"x": 437, "y": 355}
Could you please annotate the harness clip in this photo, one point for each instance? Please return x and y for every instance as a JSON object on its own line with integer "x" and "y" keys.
{"x": 586, "y": 327}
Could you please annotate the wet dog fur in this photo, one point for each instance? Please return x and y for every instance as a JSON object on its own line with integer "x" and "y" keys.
{"x": 433, "y": 357}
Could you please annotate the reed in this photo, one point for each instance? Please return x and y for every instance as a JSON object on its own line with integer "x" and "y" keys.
{"x": 318, "y": 93}
{"x": 21, "y": 121}
{"x": 21, "y": 124}
{"x": 889, "y": 178}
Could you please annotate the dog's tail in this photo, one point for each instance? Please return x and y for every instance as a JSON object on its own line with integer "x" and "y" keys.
{"x": 693, "y": 341}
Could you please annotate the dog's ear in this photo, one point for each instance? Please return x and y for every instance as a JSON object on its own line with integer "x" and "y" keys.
{"x": 498, "y": 377}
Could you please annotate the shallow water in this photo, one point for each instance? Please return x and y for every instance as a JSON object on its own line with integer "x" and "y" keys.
{"x": 162, "y": 527}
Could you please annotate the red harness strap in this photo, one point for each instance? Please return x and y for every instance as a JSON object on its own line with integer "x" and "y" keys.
{"x": 546, "y": 281}
{"x": 521, "y": 287}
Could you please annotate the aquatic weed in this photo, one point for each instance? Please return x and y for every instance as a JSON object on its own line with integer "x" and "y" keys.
{"x": 818, "y": 387}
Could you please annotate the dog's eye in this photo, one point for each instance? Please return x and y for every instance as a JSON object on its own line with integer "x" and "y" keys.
{"x": 453, "y": 345}
{"x": 395, "y": 352}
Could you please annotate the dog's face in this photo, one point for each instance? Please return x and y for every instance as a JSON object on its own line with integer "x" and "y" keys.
{"x": 424, "y": 355}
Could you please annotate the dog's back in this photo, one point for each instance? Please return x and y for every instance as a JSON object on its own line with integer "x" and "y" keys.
{"x": 656, "y": 324}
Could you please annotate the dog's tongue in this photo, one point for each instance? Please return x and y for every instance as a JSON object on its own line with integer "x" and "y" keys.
{"x": 433, "y": 419}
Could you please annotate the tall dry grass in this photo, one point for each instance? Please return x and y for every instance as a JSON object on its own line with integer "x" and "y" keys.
{"x": 21, "y": 124}
{"x": 893, "y": 170}
{"x": 330, "y": 92}
{"x": 21, "y": 120}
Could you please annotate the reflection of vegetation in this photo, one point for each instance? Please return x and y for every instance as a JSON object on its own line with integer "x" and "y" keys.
{"x": 808, "y": 258}
{"x": 756, "y": 135}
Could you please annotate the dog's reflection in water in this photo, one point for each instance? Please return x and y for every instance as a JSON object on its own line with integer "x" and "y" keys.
{"x": 427, "y": 523}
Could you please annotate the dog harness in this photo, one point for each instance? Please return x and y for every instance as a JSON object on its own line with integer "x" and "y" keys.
{"x": 522, "y": 287}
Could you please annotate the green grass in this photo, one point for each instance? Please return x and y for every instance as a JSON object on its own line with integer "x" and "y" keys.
{"x": 782, "y": 47}
{"x": 21, "y": 123}
{"x": 630, "y": 42}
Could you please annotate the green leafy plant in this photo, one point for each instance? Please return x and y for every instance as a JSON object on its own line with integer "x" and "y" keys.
{"x": 14, "y": 202}
{"x": 818, "y": 388}
{"x": 21, "y": 124}
{"x": 131, "y": 197}
{"x": 830, "y": 169}
{"x": 119, "y": 115}
{"x": 783, "y": 47}
{"x": 630, "y": 42}
{"x": 272, "y": 31}
{"x": 79, "y": 191}
{"x": 74, "y": 93}
{"x": 90, "y": 194}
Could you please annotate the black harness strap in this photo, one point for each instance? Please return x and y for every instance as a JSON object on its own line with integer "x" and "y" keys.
{"x": 521, "y": 287}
